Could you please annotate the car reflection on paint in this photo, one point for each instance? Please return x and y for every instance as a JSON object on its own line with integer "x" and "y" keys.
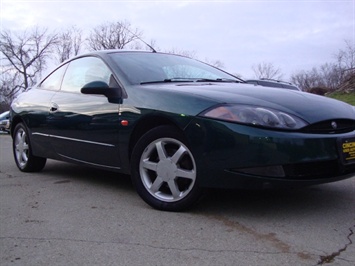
{"x": 273, "y": 83}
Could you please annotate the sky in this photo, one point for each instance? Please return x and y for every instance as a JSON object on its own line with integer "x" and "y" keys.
{"x": 293, "y": 35}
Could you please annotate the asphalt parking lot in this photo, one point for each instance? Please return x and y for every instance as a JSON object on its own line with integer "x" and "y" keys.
{"x": 73, "y": 215}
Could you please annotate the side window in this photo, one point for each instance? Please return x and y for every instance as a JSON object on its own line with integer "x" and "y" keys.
{"x": 54, "y": 80}
{"x": 84, "y": 70}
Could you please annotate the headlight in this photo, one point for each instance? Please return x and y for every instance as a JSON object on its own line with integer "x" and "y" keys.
{"x": 258, "y": 116}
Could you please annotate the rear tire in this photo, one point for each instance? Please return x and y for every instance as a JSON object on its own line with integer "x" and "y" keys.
{"x": 164, "y": 170}
{"x": 22, "y": 150}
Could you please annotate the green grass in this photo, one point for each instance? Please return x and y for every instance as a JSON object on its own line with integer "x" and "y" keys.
{"x": 343, "y": 96}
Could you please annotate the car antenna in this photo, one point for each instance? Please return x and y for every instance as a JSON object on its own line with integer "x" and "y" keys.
{"x": 139, "y": 38}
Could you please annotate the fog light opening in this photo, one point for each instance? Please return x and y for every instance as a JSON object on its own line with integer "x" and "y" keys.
{"x": 270, "y": 171}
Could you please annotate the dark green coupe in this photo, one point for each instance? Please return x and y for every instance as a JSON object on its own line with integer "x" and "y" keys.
{"x": 177, "y": 126}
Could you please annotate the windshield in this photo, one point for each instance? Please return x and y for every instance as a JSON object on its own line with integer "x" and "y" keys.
{"x": 141, "y": 68}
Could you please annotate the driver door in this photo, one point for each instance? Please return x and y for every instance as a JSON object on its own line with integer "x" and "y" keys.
{"x": 85, "y": 127}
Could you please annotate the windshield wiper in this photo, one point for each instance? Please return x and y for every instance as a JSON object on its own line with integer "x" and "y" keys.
{"x": 218, "y": 80}
{"x": 193, "y": 80}
{"x": 169, "y": 80}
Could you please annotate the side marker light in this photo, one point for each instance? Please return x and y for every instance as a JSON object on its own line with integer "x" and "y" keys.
{"x": 124, "y": 123}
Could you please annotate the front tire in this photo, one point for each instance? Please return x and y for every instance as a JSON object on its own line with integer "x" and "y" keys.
{"x": 164, "y": 170}
{"x": 22, "y": 150}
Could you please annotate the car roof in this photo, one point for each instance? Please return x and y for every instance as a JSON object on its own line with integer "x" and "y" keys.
{"x": 110, "y": 51}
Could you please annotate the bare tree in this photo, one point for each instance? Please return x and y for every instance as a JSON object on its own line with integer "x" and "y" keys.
{"x": 215, "y": 63}
{"x": 140, "y": 44}
{"x": 267, "y": 71}
{"x": 24, "y": 57}
{"x": 116, "y": 35}
{"x": 193, "y": 54}
{"x": 346, "y": 63}
{"x": 306, "y": 80}
{"x": 69, "y": 43}
{"x": 329, "y": 76}
{"x": 346, "y": 57}
{"x": 8, "y": 87}
{"x": 176, "y": 51}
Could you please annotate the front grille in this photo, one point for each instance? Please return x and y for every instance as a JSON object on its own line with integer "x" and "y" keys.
{"x": 331, "y": 127}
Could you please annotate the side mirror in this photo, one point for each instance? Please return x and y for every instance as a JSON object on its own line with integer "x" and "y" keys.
{"x": 113, "y": 94}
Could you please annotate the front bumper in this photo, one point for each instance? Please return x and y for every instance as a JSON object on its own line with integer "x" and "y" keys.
{"x": 229, "y": 155}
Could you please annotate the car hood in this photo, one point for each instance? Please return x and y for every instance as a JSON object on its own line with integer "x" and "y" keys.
{"x": 310, "y": 107}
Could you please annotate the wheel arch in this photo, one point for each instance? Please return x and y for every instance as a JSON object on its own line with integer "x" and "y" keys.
{"x": 146, "y": 124}
{"x": 15, "y": 120}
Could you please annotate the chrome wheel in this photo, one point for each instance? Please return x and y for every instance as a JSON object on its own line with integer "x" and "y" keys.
{"x": 21, "y": 148}
{"x": 164, "y": 171}
{"x": 24, "y": 158}
{"x": 167, "y": 169}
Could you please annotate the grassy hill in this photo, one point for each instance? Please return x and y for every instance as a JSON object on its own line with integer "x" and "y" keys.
{"x": 346, "y": 91}
{"x": 348, "y": 97}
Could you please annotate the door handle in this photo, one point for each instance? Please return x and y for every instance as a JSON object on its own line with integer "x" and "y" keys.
{"x": 54, "y": 108}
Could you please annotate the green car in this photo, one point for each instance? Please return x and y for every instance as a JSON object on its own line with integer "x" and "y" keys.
{"x": 177, "y": 126}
